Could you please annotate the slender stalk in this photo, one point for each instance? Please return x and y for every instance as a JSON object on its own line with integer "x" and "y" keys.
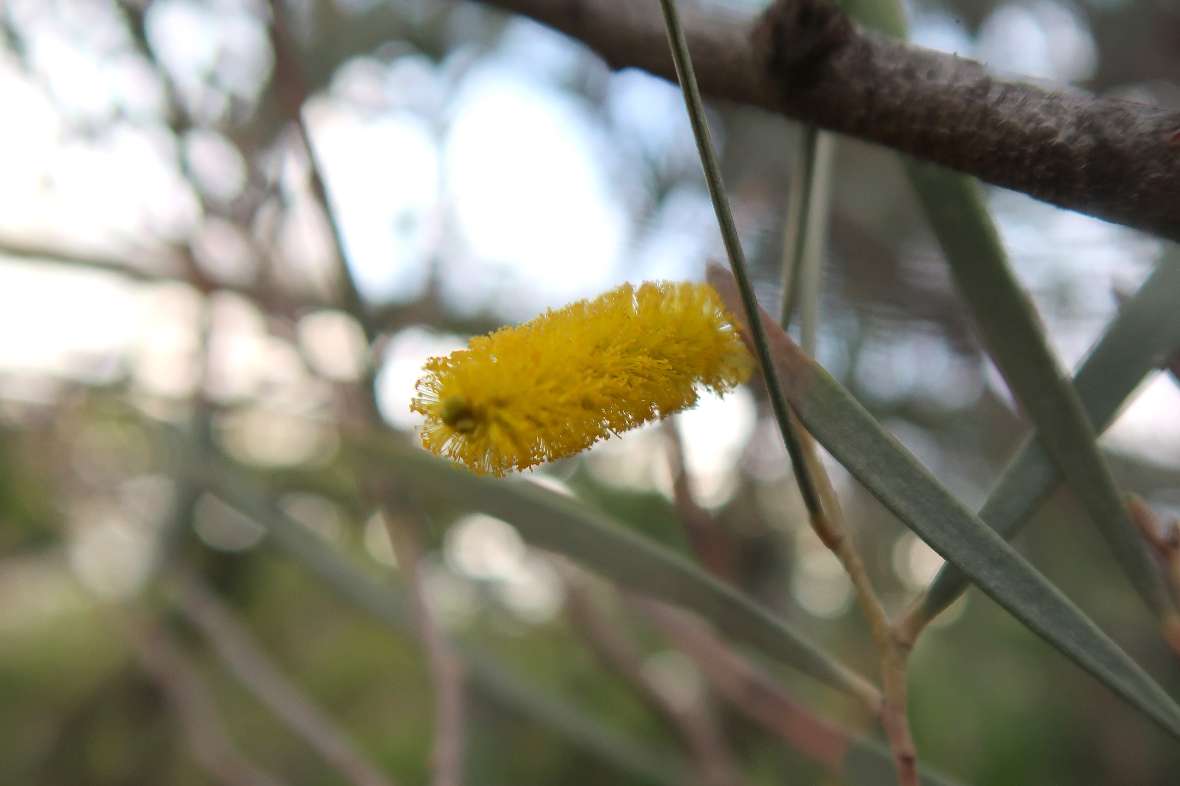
{"x": 749, "y": 689}
{"x": 163, "y": 659}
{"x": 816, "y": 227}
{"x": 893, "y": 661}
{"x": 293, "y": 93}
{"x": 446, "y": 671}
{"x": 695, "y": 724}
{"x": 260, "y": 676}
{"x": 712, "y": 543}
{"x": 795, "y": 234}
{"x": 1165, "y": 544}
{"x": 737, "y": 261}
{"x": 802, "y": 256}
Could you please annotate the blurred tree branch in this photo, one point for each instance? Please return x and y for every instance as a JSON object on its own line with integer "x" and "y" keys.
{"x": 164, "y": 265}
{"x": 1113, "y": 159}
{"x": 695, "y": 723}
{"x": 243, "y": 657}
{"x": 178, "y": 677}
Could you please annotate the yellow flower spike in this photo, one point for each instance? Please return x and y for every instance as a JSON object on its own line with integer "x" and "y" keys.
{"x": 557, "y": 384}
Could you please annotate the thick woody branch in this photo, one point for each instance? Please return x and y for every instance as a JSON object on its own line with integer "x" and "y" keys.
{"x": 1113, "y": 159}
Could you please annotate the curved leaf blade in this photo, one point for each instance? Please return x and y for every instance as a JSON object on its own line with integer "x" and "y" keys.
{"x": 550, "y": 521}
{"x": 1010, "y": 328}
{"x": 904, "y": 486}
{"x": 1141, "y": 337}
{"x": 486, "y": 673}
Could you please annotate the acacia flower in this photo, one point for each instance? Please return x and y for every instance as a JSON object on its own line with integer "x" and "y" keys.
{"x": 557, "y": 384}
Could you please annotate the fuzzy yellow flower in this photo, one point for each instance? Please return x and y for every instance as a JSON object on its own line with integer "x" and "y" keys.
{"x": 557, "y": 384}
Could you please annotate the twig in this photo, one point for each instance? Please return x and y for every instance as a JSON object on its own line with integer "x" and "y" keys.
{"x": 891, "y": 648}
{"x": 1105, "y": 157}
{"x": 163, "y": 659}
{"x": 445, "y": 668}
{"x": 712, "y": 545}
{"x": 733, "y": 247}
{"x": 1166, "y": 546}
{"x": 750, "y": 690}
{"x": 803, "y": 244}
{"x": 258, "y": 674}
{"x": 386, "y": 606}
{"x": 828, "y": 525}
{"x": 446, "y": 671}
{"x": 293, "y": 94}
{"x": 695, "y": 725}
{"x": 804, "y": 234}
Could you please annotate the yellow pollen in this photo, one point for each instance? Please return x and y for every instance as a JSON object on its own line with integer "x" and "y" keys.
{"x": 557, "y": 384}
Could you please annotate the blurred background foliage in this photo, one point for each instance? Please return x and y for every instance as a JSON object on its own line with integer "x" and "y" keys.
{"x": 165, "y": 263}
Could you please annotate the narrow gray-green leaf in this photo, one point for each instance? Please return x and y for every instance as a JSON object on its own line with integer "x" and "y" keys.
{"x": 562, "y": 525}
{"x": 1009, "y": 326}
{"x": 487, "y": 675}
{"x": 866, "y": 762}
{"x": 904, "y": 486}
{"x": 1140, "y": 339}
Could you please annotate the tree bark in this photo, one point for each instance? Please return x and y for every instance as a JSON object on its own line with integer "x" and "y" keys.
{"x": 1109, "y": 158}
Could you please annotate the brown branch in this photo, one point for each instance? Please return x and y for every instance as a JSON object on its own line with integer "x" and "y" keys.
{"x": 695, "y": 725}
{"x": 1117, "y": 160}
{"x": 237, "y": 649}
{"x": 446, "y": 670}
{"x": 293, "y": 93}
{"x": 891, "y": 640}
{"x": 1165, "y": 544}
{"x": 712, "y": 544}
{"x": 748, "y": 689}
{"x": 165, "y": 266}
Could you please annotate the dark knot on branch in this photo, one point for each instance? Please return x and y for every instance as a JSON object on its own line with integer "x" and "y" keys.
{"x": 798, "y": 38}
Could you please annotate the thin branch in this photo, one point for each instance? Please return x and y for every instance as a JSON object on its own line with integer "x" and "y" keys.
{"x": 803, "y": 248}
{"x": 695, "y": 724}
{"x": 1114, "y": 159}
{"x": 257, "y": 673}
{"x": 753, "y": 692}
{"x": 293, "y": 94}
{"x": 804, "y": 233}
{"x": 1165, "y": 544}
{"x": 818, "y": 495}
{"x": 446, "y": 670}
{"x": 829, "y": 526}
{"x": 164, "y": 660}
{"x": 710, "y": 542}
{"x": 426, "y": 310}
{"x": 733, "y": 247}
{"x": 795, "y": 228}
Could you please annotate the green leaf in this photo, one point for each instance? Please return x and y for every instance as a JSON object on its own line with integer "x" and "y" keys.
{"x": 866, "y": 762}
{"x": 558, "y": 523}
{"x": 1010, "y": 330}
{"x": 904, "y": 486}
{"x": 1140, "y": 339}
{"x": 486, "y": 674}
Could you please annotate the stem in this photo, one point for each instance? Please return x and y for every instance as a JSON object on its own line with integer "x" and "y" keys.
{"x": 293, "y": 93}
{"x": 795, "y": 235}
{"x": 241, "y": 654}
{"x": 802, "y": 253}
{"x": 164, "y": 660}
{"x": 737, "y": 261}
{"x": 446, "y": 672}
{"x": 695, "y": 724}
